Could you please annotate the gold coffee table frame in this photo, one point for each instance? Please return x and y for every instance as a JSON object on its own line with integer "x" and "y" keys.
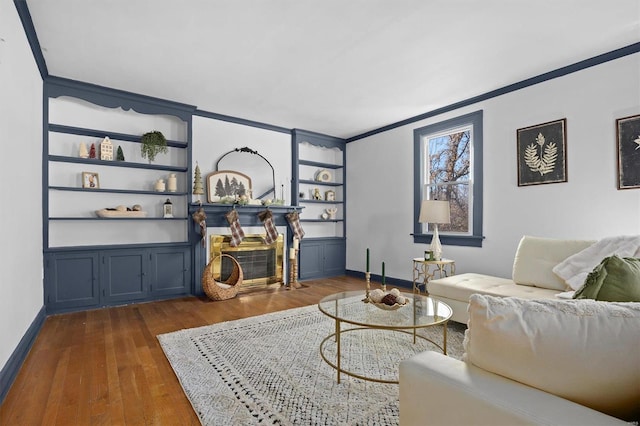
{"x": 348, "y": 307}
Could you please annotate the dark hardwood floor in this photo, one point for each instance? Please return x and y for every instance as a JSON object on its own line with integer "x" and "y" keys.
{"x": 106, "y": 367}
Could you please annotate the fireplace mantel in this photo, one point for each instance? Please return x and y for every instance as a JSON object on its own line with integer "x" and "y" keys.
{"x": 248, "y": 215}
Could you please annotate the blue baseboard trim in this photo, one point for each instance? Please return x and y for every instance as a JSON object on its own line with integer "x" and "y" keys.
{"x": 377, "y": 279}
{"x": 12, "y": 367}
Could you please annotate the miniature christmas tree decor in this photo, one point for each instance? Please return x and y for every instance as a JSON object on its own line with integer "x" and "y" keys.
{"x": 92, "y": 151}
{"x": 198, "y": 189}
{"x": 120, "y": 154}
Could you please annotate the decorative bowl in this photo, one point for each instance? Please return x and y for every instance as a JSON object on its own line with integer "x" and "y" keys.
{"x": 386, "y": 307}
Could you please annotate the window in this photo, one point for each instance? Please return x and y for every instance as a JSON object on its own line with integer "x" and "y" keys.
{"x": 448, "y": 166}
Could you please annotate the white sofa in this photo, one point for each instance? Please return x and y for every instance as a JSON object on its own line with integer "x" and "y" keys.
{"x": 532, "y": 278}
{"x": 531, "y": 362}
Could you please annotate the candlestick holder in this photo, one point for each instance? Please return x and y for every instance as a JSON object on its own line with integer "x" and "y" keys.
{"x": 384, "y": 287}
{"x": 294, "y": 267}
{"x": 367, "y": 277}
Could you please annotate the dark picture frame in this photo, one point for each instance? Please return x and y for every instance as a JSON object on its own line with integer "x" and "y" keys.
{"x": 542, "y": 153}
{"x": 628, "y": 149}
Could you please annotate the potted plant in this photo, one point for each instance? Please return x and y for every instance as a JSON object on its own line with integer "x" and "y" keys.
{"x": 153, "y": 143}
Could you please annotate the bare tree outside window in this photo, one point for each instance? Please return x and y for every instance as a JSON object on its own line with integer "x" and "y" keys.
{"x": 447, "y": 176}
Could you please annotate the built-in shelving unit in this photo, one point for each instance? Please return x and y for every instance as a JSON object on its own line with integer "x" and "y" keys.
{"x": 319, "y": 186}
{"x": 93, "y": 261}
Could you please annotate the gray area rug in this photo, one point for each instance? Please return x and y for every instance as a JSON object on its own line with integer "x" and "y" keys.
{"x": 268, "y": 370}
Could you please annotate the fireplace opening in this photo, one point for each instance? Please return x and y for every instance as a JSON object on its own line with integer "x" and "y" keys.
{"x": 262, "y": 264}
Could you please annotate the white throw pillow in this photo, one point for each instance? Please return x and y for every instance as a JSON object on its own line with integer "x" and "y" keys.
{"x": 574, "y": 269}
{"x": 581, "y": 350}
{"x": 536, "y": 257}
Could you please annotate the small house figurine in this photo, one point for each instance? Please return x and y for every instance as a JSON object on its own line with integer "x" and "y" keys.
{"x": 106, "y": 149}
{"x": 167, "y": 209}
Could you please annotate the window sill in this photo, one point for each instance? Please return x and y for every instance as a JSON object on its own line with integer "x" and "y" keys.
{"x": 450, "y": 240}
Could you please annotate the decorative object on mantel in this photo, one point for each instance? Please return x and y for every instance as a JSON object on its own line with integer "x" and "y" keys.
{"x": 266, "y": 217}
{"x": 294, "y": 223}
{"x": 237, "y": 234}
{"x": 167, "y": 209}
{"x": 106, "y": 149}
{"x": 200, "y": 217}
{"x": 323, "y": 176}
{"x": 152, "y": 144}
{"x": 83, "y": 152}
{"x": 172, "y": 183}
{"x": 122, "y": 211}
{"x": 330, "y": 195}
{"x": 241, "y": 160}
{"x": 120, "y": 154}
{"x": 90, "y": 180}
{"x": 198, "y": 188}
{"x": 332, "y": 212}
{"x": 92, "y": 151}
{"x": 222, "y": 290}
{"x": 226, "y": 186}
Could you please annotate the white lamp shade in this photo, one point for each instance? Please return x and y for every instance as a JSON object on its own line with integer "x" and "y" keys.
{"x": 434, "y": 211}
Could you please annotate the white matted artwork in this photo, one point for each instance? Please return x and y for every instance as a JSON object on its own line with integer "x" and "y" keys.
{"x": 227, "y": 183}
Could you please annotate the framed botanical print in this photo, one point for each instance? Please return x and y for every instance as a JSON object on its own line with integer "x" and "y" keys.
{"x": 542, "y": 153}
{"x": 628, "y": 136}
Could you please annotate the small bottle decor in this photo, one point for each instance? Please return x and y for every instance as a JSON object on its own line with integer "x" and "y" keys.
{"x": 172, "y": 183}
{"x": 167, "y": 209}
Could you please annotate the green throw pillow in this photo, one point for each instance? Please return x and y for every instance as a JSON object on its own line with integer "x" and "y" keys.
{"x": 615, "y": 279}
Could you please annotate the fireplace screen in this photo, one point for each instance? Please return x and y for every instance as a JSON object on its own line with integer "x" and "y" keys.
{"x": 261, "y": 263}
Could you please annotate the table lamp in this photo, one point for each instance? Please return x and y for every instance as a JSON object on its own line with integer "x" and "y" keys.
{"x": 435, "y": 212}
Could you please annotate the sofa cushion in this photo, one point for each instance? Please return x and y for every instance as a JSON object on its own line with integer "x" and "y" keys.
{"x": 614, "y": 280}
{"x": 461, "y": 287}
{"x": 536, "y": 257}
{"x": 581, "y": 350}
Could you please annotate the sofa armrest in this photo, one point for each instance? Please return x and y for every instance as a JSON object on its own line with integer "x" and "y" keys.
{"x": 439, "y": 390}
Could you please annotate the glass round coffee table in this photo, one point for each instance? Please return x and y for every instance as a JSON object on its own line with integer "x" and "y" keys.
{"x": 348, "y": 307}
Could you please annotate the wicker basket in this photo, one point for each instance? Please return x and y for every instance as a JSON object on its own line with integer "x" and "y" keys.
{"x": 212, "y": 288}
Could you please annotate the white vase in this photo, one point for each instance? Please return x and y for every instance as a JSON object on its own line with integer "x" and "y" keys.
{"x": 160, "y": 185}
{"x": 172, "y": 183}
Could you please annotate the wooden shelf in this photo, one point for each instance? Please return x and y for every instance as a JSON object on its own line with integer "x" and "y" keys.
{"x": 319, "y": 164}
{"x": 97, "y": 162}
{"x": 70, "y": 130}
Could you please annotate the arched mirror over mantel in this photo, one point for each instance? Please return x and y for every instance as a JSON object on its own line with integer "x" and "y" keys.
{"x": 252, "y": 164}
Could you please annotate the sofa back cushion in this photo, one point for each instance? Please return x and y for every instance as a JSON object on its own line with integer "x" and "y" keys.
{"x": 585, "y": 351}
{"x": 536, "y": 257}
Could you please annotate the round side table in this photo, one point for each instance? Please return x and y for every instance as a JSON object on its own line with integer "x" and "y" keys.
{"x": 425, "y": 270}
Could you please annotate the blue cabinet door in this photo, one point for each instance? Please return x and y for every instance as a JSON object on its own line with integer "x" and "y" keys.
{"x": 71, "y": 281}
{"x": 322, "y": 258}
{"x": 124, "y": 275}
{"x": 311, "y": 263}
{"x": 335, "y": 253}
{"x": 170, "y": 271}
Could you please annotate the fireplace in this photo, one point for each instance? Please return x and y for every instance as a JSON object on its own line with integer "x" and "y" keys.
{"x": 262, "y": 264}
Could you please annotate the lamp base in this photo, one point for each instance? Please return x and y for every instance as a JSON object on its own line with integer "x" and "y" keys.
{"x": 436, "y": 247}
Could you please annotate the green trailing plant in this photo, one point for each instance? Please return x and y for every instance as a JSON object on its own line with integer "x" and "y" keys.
{"x": 153, "y": 143}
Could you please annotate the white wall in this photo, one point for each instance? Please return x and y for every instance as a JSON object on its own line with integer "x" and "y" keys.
{"x": 20, "y": 183}
{"x": 213, "y": 138}
{"x": 588, "y": 206}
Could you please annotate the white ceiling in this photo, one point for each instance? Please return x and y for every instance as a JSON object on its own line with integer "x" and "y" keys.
{"x": 340, "y": 67}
